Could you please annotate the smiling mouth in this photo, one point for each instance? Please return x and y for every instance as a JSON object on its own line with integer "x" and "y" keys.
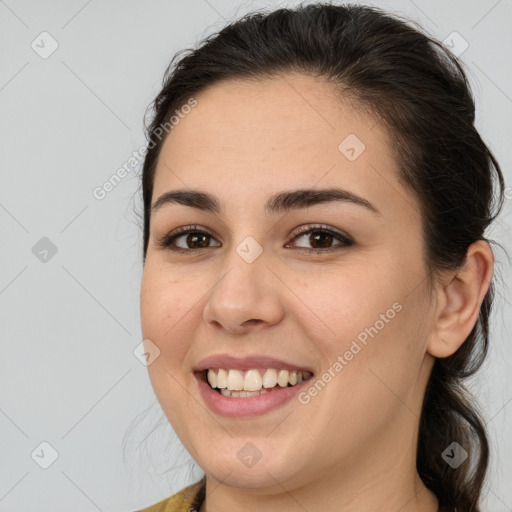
{"x": 253, "y": 382}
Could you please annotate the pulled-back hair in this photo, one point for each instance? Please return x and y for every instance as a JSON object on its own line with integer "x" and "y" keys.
{"x": 419, "y": 91}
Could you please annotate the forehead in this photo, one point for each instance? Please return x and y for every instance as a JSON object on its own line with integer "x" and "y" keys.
{"x": 276, "y": 113}
{"x": 259, "y": 137}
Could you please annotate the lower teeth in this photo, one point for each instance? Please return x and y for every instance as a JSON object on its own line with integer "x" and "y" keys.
{"x": 245, "y": 394}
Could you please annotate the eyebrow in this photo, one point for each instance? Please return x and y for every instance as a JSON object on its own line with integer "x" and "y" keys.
{"x": 279, "y": 203}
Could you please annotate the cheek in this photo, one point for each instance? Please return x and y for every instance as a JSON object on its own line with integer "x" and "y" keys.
{"x": 382, "y": 358}
{"x": 345, "y": 301}
{"x": 166, "y": 315}
{"x": 369, "y": 321}
{"x": 164, "y": 299}
{"x": 167, "y": 318}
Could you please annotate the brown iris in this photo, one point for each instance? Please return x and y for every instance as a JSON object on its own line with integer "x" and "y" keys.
{"x": 324, "y": 239}
{"x": 192, "y": 238}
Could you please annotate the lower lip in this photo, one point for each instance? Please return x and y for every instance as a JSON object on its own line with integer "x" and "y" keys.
{"x": 249, "y": 406}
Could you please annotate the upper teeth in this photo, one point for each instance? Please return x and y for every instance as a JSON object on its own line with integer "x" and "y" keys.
{"x": 254, "y": 380}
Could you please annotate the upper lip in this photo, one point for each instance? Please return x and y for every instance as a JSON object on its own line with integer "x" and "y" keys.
{"x": 226, "y": 361}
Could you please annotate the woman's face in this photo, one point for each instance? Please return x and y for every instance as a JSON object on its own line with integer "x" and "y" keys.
{"x": 355, "y": 314}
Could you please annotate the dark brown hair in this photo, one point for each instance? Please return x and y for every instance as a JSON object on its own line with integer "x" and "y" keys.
{"x": 420, "y": 92}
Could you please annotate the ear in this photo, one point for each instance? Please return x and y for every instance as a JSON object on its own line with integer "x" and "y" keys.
{"x": 459, "y": 296}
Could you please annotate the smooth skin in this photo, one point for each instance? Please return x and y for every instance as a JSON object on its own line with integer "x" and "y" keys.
{"x": 353, "y": 446}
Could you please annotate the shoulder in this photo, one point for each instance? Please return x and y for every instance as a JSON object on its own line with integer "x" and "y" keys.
{"x": 189, "y": 499}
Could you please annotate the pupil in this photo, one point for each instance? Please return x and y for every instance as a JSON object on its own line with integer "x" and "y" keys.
{"x": 192, "y": 238}
{"x": 323, "y": 236}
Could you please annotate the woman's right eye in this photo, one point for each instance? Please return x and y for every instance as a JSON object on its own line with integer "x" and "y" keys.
{"x": 186, "y": 239}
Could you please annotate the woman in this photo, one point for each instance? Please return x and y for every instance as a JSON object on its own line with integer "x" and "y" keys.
{"x": 317, "y": 283}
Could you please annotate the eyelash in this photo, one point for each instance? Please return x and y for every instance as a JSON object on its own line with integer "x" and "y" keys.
{"x": 170, "y": 238}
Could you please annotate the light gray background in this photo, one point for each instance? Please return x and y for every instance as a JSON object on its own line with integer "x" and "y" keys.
{"x": 69, "y": 326}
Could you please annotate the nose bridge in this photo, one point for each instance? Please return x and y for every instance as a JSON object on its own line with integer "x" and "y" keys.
{"x": 243, "y": 293}
{"x": 243, "y": 270}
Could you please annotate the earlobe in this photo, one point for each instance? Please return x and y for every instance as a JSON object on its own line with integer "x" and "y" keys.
{"x": 459, "y": 300}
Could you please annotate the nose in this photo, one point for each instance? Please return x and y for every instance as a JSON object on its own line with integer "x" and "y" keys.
{"x": 247, "y": 296}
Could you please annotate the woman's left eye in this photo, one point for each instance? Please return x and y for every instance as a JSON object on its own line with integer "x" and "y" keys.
{"x": 321, "y": 237}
